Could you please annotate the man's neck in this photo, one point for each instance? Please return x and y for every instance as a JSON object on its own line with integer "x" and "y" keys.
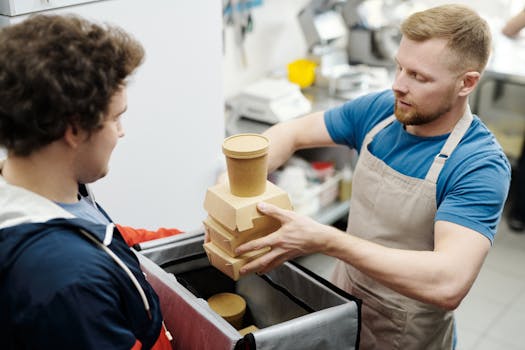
{"x": 42, "y": 173}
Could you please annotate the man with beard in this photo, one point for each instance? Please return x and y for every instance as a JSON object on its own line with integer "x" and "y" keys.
{"x": 428, "y": 188}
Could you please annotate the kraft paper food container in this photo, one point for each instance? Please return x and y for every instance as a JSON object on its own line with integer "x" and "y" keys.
{"x": 228, "y": 240}
{"x": 247, "y": 163}
{"x": 249, "y": 329}
{"x": 229, "y": 306}
{"x": 229, "y": 265}
{"x": 239, "y": 213}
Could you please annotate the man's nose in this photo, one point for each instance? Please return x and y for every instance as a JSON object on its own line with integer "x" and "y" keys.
{"x": 399, "y": 85}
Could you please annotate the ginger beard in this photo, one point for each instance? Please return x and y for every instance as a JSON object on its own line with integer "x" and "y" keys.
{"x": 410, "y": 113}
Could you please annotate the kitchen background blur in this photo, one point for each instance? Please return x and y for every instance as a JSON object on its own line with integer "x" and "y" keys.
{"x": 217, "y": 68}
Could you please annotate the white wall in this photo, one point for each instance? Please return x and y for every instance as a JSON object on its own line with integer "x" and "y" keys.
{"x": 276, "y": 40}
{"x": 174, "y": 125}
{"x": 493, "y": 8}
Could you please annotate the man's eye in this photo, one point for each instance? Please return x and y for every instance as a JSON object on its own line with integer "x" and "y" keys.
{"x": 420, "y": 78}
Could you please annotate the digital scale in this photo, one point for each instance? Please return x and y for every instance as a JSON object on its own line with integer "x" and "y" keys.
{"x": 271, "y": 101}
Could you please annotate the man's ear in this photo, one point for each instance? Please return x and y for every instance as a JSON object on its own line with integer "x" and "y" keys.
{"x": 72, "y": 136}
{"x": 469, "y": 82}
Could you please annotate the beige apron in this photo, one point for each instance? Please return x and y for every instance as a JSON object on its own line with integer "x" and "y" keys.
{"x": 396, "y": 211}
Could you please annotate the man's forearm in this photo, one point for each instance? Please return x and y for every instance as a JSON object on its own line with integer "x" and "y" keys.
{"x": 514, "y": 25}
{"x": 281, "y": 148}
{"x": 441, "y": 277}
{"x": 288, "y": 137}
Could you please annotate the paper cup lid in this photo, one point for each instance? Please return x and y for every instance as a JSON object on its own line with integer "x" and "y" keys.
{"x": 228, "y": 305}
{"x": 245, "y": 146}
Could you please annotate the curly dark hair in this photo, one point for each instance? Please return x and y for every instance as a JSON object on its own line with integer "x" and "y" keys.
{"x": 57, "y": 71}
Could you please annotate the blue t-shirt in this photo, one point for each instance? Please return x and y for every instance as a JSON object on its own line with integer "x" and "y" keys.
{"x": 85, "y": 209}
{"x": 473, "y": 184}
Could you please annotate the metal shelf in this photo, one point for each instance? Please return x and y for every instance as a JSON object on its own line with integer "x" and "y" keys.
{"x": 332, "y": 213}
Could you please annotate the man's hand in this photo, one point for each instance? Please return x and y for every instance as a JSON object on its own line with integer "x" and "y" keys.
{"x": 298, "y": 235}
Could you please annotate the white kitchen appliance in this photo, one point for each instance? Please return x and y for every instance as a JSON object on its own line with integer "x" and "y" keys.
{"x": 270, "y": 101}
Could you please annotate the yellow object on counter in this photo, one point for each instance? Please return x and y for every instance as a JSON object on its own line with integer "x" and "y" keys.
{"x": 302, "y": 72}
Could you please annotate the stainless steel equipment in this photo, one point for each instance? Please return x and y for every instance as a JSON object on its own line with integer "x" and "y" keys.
{"x": 369, "y": 28}
{"x": 292, "y": 307}
{"x": 374, "y": 33}
{"x": 325, "y": 32}
{"x": 321, "y": 23}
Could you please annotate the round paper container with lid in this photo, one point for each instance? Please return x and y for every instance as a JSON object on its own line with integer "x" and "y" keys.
{"x": 247, "y": 162}
{"x": 229, "y": 306}
{"x": 245, "y": 146}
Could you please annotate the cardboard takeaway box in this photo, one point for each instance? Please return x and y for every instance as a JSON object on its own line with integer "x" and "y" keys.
{"x": 239, "y": 213}
{"x": 234, "y": 220}
{"x": 228, "y": 240}
{"x": 228, "y": 264}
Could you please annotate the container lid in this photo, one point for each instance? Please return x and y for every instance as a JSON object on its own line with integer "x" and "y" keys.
{"x": 228, "y": 305}
{"x": 245, "y": 146}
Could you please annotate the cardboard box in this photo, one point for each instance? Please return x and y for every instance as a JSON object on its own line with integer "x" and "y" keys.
{"x": 228, "y": 240}
{"x": 227, "y": 264}
{"x": 239, "y": 213}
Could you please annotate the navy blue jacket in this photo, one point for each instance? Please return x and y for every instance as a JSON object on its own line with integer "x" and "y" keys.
{"x": 60, "y": 290}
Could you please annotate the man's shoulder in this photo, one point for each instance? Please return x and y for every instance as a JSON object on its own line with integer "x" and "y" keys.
{"x": 480, "y": 143}
{"x": 478, "y": 153}
{"x": 58, "y": 252}
{"x": 349, "y": 123}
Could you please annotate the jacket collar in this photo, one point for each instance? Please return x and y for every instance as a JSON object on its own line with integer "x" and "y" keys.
{"x": 19, "y": 206}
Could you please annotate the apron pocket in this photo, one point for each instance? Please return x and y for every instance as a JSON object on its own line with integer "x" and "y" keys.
{"x": 382, "y": 325}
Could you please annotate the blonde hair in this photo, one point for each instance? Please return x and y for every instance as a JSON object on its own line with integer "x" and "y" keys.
{"x": 467, "y": 34}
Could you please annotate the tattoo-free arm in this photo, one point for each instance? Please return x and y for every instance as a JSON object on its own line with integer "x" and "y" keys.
{"x": 441, "y": 277}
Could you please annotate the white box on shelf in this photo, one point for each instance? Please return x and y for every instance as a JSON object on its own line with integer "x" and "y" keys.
{"x": 318, "y": 196}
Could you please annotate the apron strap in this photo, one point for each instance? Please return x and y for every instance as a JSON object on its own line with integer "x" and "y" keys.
{"x": 377, "y": 128}
{"x": 453, "y": 140}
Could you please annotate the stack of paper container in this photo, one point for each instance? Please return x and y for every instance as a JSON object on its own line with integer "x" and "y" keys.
{"x": 233, "y": 218}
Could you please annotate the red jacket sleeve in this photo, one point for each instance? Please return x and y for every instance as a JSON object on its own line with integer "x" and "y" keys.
{"x": 133, "y": 236}
{"x": 162, "y": 343}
